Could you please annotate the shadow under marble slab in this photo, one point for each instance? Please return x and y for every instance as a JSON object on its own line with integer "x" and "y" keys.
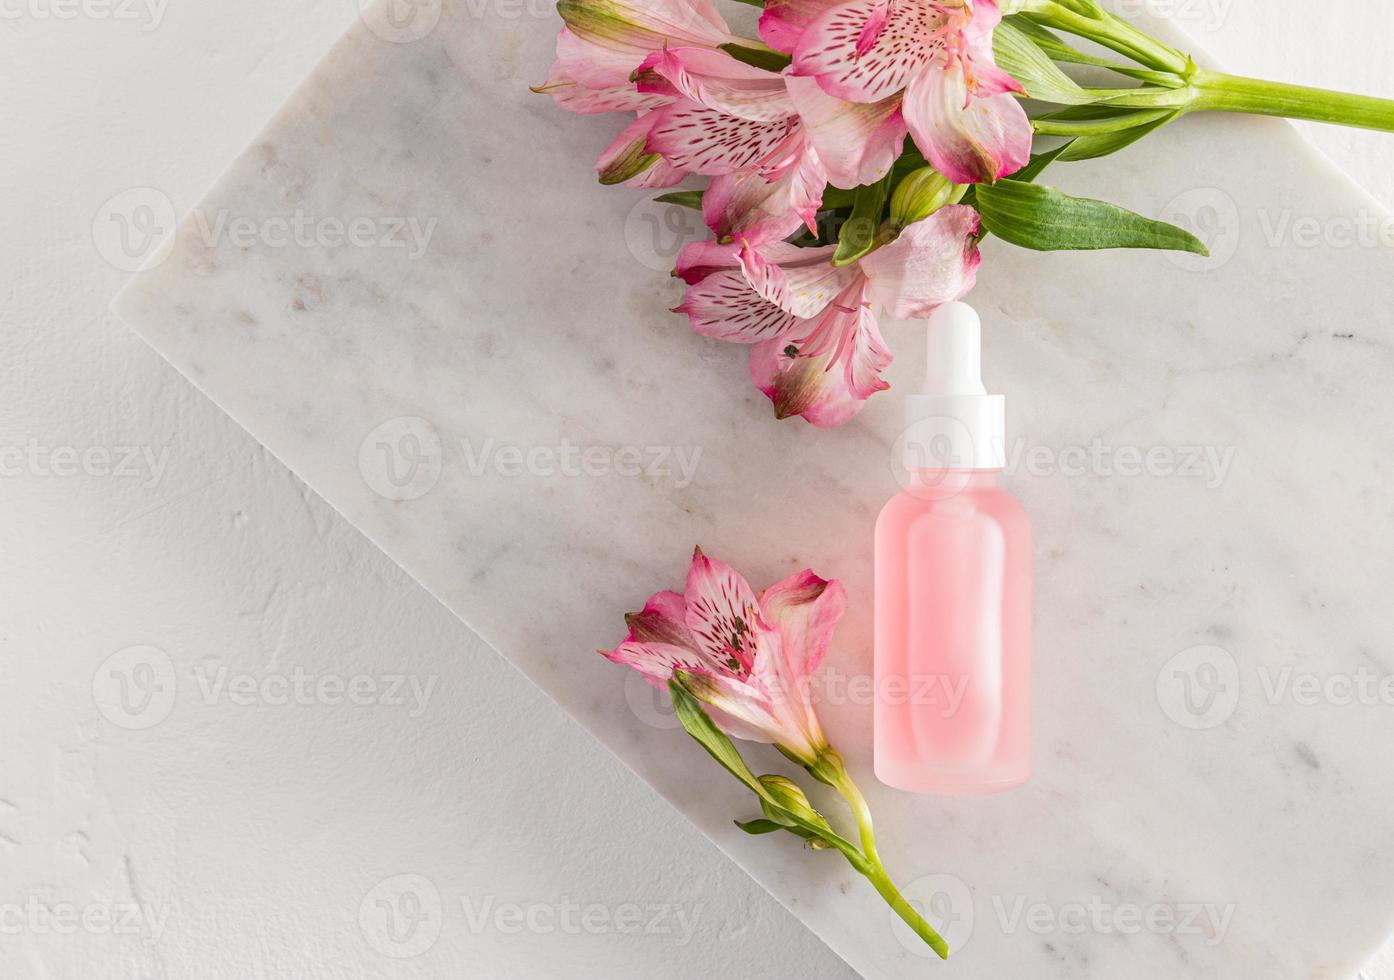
{"x": 1194, "y": 812}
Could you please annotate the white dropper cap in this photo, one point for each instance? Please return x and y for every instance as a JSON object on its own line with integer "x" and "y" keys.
{"x": 954, "y": 423}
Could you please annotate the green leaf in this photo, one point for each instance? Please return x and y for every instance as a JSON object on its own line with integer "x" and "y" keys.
{"x": 1044, "y": 219}
{"x": 687, "y": 199}
{"x": 1102, "y": 120}
{"x": 1019, "y": 56}
{"x": 758, "y": 57}
{"x": 757, "y": 827}
{"x": 858, "y": 234}
{"x": 1091, "y": 147}
{"x": 1059, "y": 50}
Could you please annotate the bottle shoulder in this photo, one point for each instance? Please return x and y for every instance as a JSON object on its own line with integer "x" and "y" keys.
{"x": 991, "y": 504}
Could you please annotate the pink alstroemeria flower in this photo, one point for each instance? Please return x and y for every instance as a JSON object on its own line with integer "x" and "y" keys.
{"x": 598, "y": 52}
{"x": 737, "y": 124}
{"x": 935, "y": 56}
{"x": 748, "y": 659}
{"x": 817, "y": 347}
{"x": 770, "y": 141}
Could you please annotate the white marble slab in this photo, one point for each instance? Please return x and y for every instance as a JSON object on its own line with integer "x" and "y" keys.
{"x": 536, "y": 317}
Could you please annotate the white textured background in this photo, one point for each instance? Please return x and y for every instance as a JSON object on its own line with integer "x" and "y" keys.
{"x": 265, "y": 839}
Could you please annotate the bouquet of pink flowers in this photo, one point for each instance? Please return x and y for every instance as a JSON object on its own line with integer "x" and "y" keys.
{"x": 821, "y": 211}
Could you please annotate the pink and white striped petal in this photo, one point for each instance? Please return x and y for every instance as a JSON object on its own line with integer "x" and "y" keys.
{"x": 575, "y": 97}
{"x": 857, "y": 142}
{"x": 707, "y": 141}
{"x": 968, "y": 140}
{"x": 718, "y": 81}
{"x": 751, "y": 208}
{"x": 932, "y": 262}
{"x": 723, "y": 613}
{"x": 802, "y": 281}
{"x": 723, "y": 306}
{"x": 868, "y": 50}
{"x": 826, "y": 369}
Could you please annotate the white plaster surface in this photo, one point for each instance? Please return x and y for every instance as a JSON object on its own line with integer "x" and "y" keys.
{"x": 255, "y": 834}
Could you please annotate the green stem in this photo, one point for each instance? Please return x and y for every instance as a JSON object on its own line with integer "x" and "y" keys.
{"x": 1218, "y": 92}
{"x": 1112, "y": 32}
{"x": 835, "y": 774}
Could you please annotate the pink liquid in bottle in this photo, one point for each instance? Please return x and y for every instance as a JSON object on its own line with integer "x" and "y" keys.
{"x": 953, "y": 590}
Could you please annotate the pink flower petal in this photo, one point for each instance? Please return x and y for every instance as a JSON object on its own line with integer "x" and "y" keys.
{"x": 628, "y": 30}
{"x": 718, "y": 81}
{"x": 657, "y": 661}
{"x": 706, "y": 141}
{"x": 805, "y": 609}
{"x": 700, "y": 259}
{"x": 825, "y": 368}
{"x": 802, "y": 281}
{"x": 595, "y": 65}
{"x": 911, "y": 37}
{"x": 933, "y": 261}
{"x": 967, "y": 140}
{"x": 784, "y": 21}
{"x": 662, "y": 620}
{"x": 723, "y": 306}
{"x": 723, "y": 614}
{"x": 628, "y": 158}
{"x": 738, "y": 709}
{"x": 751, "y": 208}
{"x": 575, "y": 97}
{"x": 857, "y": 142}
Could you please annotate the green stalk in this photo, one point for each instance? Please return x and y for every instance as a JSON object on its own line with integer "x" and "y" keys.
{"x": 831, "y": 770}
{"x": 1218, "y": 92}
{"x": 1112, "y": 32}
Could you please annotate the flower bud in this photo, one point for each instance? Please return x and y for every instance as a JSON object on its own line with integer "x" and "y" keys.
{"x": 920, "y": 194}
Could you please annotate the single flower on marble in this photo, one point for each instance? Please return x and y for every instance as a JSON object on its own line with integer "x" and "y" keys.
{"x": 740, "y": 665}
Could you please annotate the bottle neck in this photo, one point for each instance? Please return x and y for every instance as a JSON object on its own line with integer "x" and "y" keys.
{"x": 948, "y": 482}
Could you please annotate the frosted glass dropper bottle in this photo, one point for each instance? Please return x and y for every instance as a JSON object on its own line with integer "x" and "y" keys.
{"x": 953, "y": 588}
